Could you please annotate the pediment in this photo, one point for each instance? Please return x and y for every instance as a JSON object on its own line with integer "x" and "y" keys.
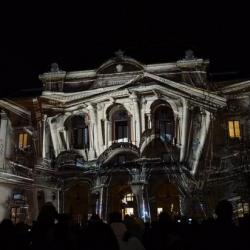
{"x": 14, "y": 108}
{"x": 118, "y": 65}
{"x": 146, "y": 82}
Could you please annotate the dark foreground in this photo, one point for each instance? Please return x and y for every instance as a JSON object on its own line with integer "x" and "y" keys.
{"x": 56, "y": 231}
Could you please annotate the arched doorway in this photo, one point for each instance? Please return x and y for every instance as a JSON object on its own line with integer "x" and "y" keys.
{"x": 121, "y": 199}
{"x": 155, "y": 148}
{"x": 76, "y": 201}
{"x": 164, "y": 197}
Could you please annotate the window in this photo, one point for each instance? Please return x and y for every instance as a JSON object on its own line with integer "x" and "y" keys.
{"x": 121, "y": 131}
{"x": 19, "y": 197}
{"x": 23, "y": 141}
{"x": 234, "y": 129}
{"x": 164, "y": 123}
{"x": 128, "y": 198}
{"x": 79, "y": 132}
{"x": 80, "y": 137}
{"x": 159, "y": 210}
{"x": 121, "y": 126}
{"x": 129, "y": 211}
{"x": 18, "y": 214}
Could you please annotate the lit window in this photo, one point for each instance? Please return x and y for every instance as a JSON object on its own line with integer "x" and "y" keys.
{"x": 246, "y": 208}
{"x": 129, "y": 211}
{"x": 159, "y": 210}
{"x": 23, "y": 140}
{"x": 234, "y": 129}
{"x": 240, "y": 210}
{"x": 128, "y": 198}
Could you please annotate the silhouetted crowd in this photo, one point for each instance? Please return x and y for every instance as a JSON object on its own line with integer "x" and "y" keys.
{"x": 57, "y": 231}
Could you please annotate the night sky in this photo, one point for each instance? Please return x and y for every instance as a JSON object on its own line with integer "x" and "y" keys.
{"x": 83, "y": 36}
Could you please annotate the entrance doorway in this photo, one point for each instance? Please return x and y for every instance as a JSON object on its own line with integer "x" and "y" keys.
{"x": 121, "y": 198}
{"x": 76, "y": 202}
{"x": 128, "y": 205}
{"x": 164, "y": 197}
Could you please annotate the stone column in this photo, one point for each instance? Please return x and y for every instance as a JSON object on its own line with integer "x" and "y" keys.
{"x": 94, "y": 131}
{"x": 3, "y": 133}
{"x": 184, "y": 134}
{"x": 206, "y": 119}
{"x": 109, "y": 142}
{"x": 6, "y": 193}
{"x": 44, "y": 136}
{"x": 106, "y": 133}
{"x": 149, "y": 117}
{"x": 137, "y": 120}
{"x": 53, "y": 132}
{"x": 99, "y": 128}
{"x": 100, "y": 189}
{"x": 138, "y": 186}
{"x": 35, "y": 209}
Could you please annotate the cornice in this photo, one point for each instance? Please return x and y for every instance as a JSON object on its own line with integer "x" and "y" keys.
{"x": 234, "y": 87}
{"x": 169, "y": 88}
{"x": 14, "y": 108}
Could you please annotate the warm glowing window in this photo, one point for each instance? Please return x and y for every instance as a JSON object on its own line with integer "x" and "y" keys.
{"x": 128, "y": 198}
{"x": 234, "y": 129}
{"x": 129, "y": 211}
{"x": 159, "y": 210}
{"x": 23, "y": 140}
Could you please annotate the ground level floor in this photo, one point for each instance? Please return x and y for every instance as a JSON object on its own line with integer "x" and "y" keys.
{"x": 22, "y": 202}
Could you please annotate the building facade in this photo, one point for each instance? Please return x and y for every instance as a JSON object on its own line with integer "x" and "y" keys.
{"x": 128, "y": 137}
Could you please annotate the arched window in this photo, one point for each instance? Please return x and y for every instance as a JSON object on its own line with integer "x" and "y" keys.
{"x": 121, "y": 126}
{"x": 164, "y": 123}
{"x": 79, "y": 132}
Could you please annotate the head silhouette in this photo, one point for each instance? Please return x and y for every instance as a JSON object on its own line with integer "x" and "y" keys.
{"x": 48, "y": 214}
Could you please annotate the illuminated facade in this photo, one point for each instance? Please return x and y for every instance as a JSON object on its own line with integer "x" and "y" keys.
{"x": 128, "y": 137}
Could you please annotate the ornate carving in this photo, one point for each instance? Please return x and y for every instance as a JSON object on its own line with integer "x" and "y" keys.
{"x": 116, "y": 146}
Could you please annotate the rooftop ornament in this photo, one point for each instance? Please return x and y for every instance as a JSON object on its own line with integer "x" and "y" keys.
{"x": 119, "y": 54}
{"x": 54, "y": 67}
{"x": 189, "y": 55}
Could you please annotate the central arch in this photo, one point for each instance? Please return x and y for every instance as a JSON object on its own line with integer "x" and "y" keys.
{"x": 164, "y": 196}
{"x": 76, "y": 202}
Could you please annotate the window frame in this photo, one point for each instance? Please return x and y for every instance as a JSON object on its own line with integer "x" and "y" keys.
{"x": 234, "y": 129}
{"x": 23, "y": 140}
{"x": 115, "y": 126}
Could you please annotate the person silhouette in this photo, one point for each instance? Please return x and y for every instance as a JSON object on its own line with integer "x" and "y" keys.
{"x": 223, "y": 233}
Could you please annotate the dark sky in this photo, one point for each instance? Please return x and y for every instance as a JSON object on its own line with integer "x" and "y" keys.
{"x": 82, "y": 36}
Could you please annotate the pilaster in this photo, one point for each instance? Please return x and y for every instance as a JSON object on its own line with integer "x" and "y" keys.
{"x": 184, "y": 134}
{"x": 44, "y": 136}
{"x": 137, "y": 120}
{"x": 3, "y": 137}
{"x": 206, "y": 119}
{"x": 94, "y": 131}
{"x": 100, "y": 189}
{"x": 138, "y": 186}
